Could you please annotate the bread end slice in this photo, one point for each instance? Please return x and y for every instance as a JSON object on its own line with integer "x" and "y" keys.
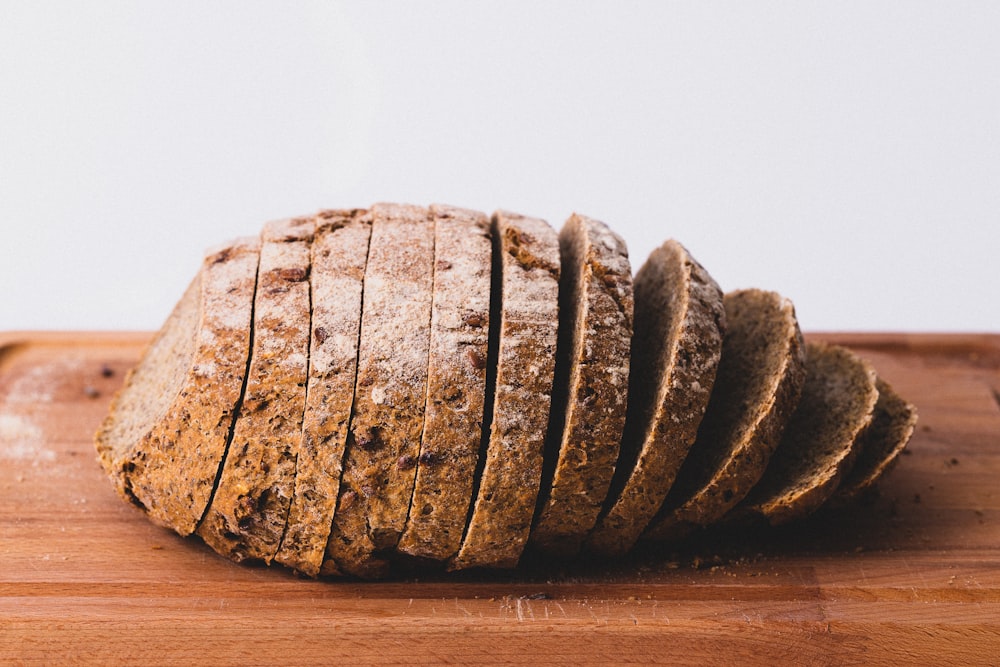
{"x": 167, "y": 429}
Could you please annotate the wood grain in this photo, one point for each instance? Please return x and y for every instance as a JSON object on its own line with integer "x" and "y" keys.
{"x": 913, "y": 578}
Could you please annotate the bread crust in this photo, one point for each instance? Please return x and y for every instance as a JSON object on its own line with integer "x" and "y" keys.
{"x": 388, "y": 412}
{"x": 247, "y": 515}
{"x": 757, "y": 387}
{"x": 164, "y": 437}
{"x": 679, "y": 323}
{"x": 456, "y": 385}
{"x": 589, "y": 399}
{"x": 528, "y": 252}
{"x": 339, "y": 253}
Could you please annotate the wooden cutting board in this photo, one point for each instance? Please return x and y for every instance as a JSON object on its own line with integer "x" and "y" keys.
{"x": 913, "y": 578}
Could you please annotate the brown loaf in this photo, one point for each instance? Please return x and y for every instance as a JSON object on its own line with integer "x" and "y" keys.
{"x": 360, "y": 387}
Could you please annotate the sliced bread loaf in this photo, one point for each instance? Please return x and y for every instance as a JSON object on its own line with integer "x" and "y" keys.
{"x": 361, "y": 386}
{"x": 339, "y": 253}
{"x": 246, "y": 518}
{"x": 520, "y": 373}
{"x": 819, "y": 443}
{"x": 166, "y": 433}
{"x": 384, "y": 436}
{"x": 456, "y": 385}
{"x": 756, "y": 389}
{"x": 679, "y": 323}
{"x": 881, "y": 443}
{"x": 591, "y": 381}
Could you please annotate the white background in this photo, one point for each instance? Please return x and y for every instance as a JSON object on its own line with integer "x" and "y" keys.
{"x": 846, "y": 154}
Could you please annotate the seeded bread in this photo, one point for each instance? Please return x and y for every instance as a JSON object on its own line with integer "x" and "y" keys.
{"x": 338, "y": 256}
{"x": 246, "y": 518}
{"x": 393, "y": 386}
{"x": 881, "y": 443}
{"x": 819, "y": 443}
{"x": 589, "y": 395}
{"x": 526, "y": 256}
{"x": 756, "y": 389}
{"x": 384, "y": 437}
{"x": 167, "y": 429}
{"x": 456, "y": 385}
{"x": 679, "y": 323}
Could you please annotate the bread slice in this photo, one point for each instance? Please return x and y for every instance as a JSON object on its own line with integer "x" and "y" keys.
{"x": 526, "y": 275}
{"x": 756, "y": 389}
{"x": 167, "y": 429}
{"x": 246, "y": 518}
{"x": 338, "y": 256}
{"x": 679, "y": 323}
{"x": 819, "y": 443}
{"x": 589, "y": 396}
{"x": 881, "y": 443}
{"x": 456, "y": 385}
{"x": 384, "y": 436}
